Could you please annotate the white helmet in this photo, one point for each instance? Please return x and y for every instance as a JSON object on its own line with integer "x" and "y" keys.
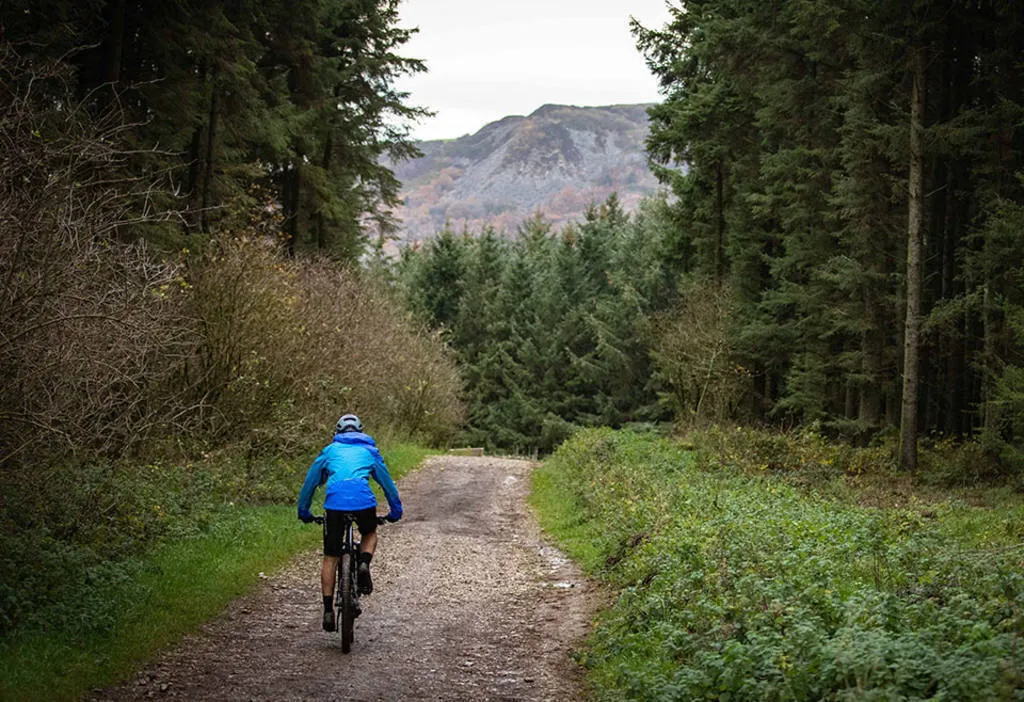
{"x": 348, "y": 422}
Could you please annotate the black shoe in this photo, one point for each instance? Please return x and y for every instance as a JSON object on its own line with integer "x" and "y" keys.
{"x": 365, "y": 581}
{"x": 329, "y": 624}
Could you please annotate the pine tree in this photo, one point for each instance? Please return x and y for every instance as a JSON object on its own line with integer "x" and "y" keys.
{"x": 808, "y": 106}
{"x": 440, "y": 278}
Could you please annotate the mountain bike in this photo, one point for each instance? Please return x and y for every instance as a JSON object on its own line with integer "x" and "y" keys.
{"x": 346, "y": 599}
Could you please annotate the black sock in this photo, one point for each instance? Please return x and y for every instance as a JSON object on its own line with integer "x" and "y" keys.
{"x": 328, "y": 603}
{"x": 365, "y": 557}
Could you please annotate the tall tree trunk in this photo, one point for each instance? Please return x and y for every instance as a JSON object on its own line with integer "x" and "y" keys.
{"x": 115, "y": 43}
{"x": 194, "y": 169}
{"x": 209, "y": 155}
{"x": 870, "y": 409}
{"x": 956, "y": 88}
{"x": 720, "y": 220}
{"x": 850, "y": 400}
{"x": 989, "y": 349}
{"x": 290, "y": 206}
{"x": 194, "y": 160}
{"x": 912, "y": 327}
{"x": 954, "y": 351}
{"x": 321, "y": 224}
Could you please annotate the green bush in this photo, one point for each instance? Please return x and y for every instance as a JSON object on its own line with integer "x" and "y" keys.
{"x": 735, "y": 585}
{"x": 76, "y": 522}
{"x": 806, "y": 457}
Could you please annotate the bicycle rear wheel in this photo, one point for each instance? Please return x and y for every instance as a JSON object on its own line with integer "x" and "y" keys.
{"x": 346, "y": 600}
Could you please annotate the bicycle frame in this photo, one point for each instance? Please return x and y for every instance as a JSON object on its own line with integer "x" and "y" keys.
{"x": 346, "y": 599}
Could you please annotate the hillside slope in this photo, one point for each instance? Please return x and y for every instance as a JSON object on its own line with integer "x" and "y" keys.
{"x": 557, "y": 161}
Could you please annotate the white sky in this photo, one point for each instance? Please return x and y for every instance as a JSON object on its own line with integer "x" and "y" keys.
{"x": 490, "y": 58}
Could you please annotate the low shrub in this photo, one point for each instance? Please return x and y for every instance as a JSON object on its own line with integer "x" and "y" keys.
{"x": 949, "y": 463}
{"x": 735, "y": 584}
{"x": 806, "y": 457}
{"x": 289, "y": 345}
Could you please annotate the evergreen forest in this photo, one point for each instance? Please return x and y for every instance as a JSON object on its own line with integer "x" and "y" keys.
{"x": 839, "y": 247}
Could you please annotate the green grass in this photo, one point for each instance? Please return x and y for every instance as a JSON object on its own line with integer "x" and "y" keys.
{"x": 132, "y": 608}
{"x": 734, "y": 585}
{"x": 150, "y": 604}
{"x": 562, "y": 515}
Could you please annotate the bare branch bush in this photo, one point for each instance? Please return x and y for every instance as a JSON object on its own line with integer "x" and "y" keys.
{"x": 384, "y": 364}
{"x": 289, "y": 345}
{"x": 92, "y": 336}
{"x": 694, "y": 358}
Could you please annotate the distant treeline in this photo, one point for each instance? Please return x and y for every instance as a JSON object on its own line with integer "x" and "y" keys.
{"x": 823, "y": 142}
{"x": 551, "y": 330}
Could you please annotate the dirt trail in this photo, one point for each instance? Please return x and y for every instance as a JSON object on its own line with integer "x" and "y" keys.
{"x": 469, "y": 604}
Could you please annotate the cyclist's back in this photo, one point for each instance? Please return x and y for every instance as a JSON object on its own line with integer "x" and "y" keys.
{"x": 348, "y": 463}
{"x": 346, "y": 466}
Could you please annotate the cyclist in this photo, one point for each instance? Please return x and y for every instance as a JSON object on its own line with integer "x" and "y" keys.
{"x": 346, "y": 466}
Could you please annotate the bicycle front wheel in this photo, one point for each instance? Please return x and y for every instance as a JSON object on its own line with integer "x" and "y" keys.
{"x": 346, "y": 600}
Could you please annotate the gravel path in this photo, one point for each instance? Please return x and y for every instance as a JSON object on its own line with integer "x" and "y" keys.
{"x": 469, "y": 604}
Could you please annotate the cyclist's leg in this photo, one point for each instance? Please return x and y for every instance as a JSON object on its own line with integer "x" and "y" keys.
{"x": 334, "y": 537}
{"x": 328, "y": 572}
{"x": 368, "y": 543}
{"x": 366, "y": 520}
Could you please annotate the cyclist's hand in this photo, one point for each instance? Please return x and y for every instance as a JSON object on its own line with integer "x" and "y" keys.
{"x": 305, "y": 516}
{"x": 393, "y": 516}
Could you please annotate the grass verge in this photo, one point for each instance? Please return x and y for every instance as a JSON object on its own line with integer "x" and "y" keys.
{"x": 132, "y": 608}
{"x": 739, "y": 586}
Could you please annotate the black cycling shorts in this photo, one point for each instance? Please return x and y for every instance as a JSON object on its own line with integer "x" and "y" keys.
{"x": 334, "y": 527}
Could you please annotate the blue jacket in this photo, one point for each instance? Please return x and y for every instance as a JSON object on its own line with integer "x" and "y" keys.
{"x": 346, "y": 466}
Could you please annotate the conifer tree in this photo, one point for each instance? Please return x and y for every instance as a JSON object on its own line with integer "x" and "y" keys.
{"x": 440, "y": 274}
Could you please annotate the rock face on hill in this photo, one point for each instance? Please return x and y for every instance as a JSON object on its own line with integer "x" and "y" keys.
{"x": 557, "y": 161}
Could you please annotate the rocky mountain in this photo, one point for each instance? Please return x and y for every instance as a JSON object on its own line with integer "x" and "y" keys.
{"x": 557, "y": 161}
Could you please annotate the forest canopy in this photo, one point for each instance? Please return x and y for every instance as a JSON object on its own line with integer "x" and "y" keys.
{"x": 240, "y": 105}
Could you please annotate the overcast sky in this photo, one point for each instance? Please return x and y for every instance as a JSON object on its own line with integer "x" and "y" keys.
{"x": 490, "y": 58}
